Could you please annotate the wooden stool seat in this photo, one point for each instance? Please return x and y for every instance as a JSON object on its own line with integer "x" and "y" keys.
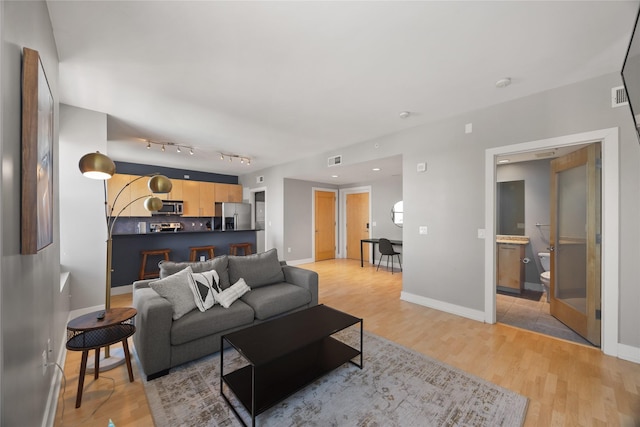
{"x": 144, "y": 274}
{"x": 193, "y": 254}
{"x": 246, "y": 248}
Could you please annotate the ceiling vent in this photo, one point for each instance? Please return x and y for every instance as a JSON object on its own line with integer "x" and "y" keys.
{"x": 334, "y": 161}
{"x": 545, "y": 154}
{"x": 618, "y": 97}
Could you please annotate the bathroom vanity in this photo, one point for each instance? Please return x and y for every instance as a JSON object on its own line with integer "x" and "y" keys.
{"x": 510, "y": 267}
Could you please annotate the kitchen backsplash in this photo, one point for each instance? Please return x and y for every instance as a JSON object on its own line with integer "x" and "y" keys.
{"x": 129, "y": 225}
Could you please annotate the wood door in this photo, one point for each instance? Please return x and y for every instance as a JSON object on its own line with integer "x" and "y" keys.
{"x": 357, "y": 213}
{"x": 575, "y": 288}
{"x": 325, "y": 225}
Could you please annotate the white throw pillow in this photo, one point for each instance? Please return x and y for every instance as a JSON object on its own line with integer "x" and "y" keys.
{"x": 177, "y": 290}
{"x": 204, "y": 287}
{"x": 229, "y": 295}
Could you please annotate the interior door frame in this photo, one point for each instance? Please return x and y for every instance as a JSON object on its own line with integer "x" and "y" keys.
{"x": 609, "y": 140}
{"x": 313, "y": 219}
{"x": 342, "y": 246}
{"x": 252, "y": 200}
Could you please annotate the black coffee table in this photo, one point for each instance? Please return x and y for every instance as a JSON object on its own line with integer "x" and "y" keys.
{"x": 285, "y": 355}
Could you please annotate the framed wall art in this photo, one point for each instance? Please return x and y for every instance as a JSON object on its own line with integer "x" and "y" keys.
{"x": 37, "y": 156}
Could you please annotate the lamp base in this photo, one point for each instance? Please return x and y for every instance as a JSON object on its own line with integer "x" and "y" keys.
{"x": 116, "y": 358}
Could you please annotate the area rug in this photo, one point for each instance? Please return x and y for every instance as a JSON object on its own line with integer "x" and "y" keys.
{"x": 397, "y": 387}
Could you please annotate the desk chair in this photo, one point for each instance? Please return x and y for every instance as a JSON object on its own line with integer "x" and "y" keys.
{"x": 386, "y": 248}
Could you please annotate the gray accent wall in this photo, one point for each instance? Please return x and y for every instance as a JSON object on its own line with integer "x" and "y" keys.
{"x": 536, "y": 209}
{"x": 447, "y": 264}
{"x": 33, "y": 309}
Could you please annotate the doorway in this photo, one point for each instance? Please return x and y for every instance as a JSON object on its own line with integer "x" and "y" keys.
{"x": 355, "y": 217}
{"x": 609, "y": 276}
{"x": 324, "y": 224}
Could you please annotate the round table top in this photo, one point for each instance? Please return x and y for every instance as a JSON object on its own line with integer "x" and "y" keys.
{"x": 113, "y": 316}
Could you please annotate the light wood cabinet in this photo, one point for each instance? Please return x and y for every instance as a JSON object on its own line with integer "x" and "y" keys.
{"x": 228, "y": 193}
{"x": 116, "y": 183}
{"x": 176, "y": 190}
{"x": 191, "y": 198}
{"x": 139, "y": 190}
{"x": 510, "y": 268}
{"x": 207, "y": 198}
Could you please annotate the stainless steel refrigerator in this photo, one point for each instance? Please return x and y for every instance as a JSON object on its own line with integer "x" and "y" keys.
{"x": 235, "y": 216}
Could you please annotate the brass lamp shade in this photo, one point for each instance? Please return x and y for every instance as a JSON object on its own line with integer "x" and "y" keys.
{"x": 152, "y": 204}
{"x": 160, "y": 184}
{"x": 97, "y": 166}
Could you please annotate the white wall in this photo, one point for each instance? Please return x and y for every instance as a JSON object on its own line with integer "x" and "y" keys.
{"x": 447, "y": 265}
{"x": 83, "y": 228}
{"x": 32, "y": 307}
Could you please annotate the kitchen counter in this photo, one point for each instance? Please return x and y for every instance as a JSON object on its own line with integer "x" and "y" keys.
{"x": 127, "y": 247}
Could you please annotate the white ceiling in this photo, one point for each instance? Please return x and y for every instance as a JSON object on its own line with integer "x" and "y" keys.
{"x": 278, "y": 81}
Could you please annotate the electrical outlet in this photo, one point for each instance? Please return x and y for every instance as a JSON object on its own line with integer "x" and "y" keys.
{"x": 44, "y": 362}
{"x": 289, "y": 250}
{"x": 423, "y": 229}
{"x": 202, "y": 258}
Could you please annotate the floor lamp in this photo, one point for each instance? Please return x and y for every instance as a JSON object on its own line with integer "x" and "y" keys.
{"x": 99, "y": 166}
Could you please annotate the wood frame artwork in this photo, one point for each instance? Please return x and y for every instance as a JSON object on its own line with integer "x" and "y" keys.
{"x": 37, "y": 156}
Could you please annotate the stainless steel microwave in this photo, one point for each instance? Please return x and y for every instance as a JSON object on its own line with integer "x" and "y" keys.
{"x": 170, "y": 207}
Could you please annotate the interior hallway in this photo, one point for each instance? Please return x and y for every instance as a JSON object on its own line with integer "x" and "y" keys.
{"x": 566, "y": 383}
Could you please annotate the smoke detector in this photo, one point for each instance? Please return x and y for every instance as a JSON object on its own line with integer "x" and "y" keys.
{"x": 504, "y": 82}
{"x": 404, "y": 114}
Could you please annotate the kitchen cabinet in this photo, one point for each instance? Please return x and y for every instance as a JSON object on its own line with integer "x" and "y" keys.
{"x": 191, "y": 198}
{"x": 114, "y": 186}
{"x": 207, "y": 198}
{"x": 510, "y": 268}
{"x": 176, "y": 190}
{"x": 228, "y": 193}
{"x": 139, "y": 190}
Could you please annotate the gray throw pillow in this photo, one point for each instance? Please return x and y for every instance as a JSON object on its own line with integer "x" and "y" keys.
{"x": 219, "y": 264}
{"x": 177, "y": 290}
{"x": 257, "y": 270}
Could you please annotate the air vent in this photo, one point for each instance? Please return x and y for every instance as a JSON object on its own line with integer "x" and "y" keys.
{"x": 334, "y": 161}
{"x": 545, "y": 154}
{"x": 618, "y": 97}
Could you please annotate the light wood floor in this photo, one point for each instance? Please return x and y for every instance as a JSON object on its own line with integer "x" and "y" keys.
{"x": 566, "y": 383}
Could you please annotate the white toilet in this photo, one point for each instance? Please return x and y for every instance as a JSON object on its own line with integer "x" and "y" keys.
{"x": 545, "y": 276}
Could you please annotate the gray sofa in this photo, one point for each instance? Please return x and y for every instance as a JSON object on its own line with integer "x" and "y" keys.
{"x": 162, "y": 343}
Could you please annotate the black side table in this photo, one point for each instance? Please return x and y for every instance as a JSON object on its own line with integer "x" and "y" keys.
{"x": 87, "y": 332}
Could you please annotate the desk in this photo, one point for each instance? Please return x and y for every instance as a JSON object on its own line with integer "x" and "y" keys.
{"x": 374, "y": 242}
{"x": 86, "y": 333}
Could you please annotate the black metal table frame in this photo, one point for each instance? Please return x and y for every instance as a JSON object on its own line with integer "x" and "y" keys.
{"x": 374, "y": 242}
{"x": 253, "y": 375}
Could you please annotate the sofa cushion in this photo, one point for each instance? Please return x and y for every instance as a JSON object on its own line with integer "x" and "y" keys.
{"x": 257, "y": 269}
{"x": 197, "y": 324}
{"x": 231, "y": 294}
{"x": 204, "y": 287}
{"x": 272, "y": 300}
{"x": 218, "y": 263}
{"x": 177, "y": 290}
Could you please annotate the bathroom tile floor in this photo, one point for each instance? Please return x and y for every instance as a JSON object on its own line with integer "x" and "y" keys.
{"x": 532, "y": 313}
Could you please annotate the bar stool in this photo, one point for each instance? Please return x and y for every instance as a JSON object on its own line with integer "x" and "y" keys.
{"x": 193, "y": 254}
{"x": 246, "y": 248}
{"x": 144, "y": 274}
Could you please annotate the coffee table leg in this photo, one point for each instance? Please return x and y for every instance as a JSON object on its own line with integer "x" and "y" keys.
{"x": 83, "y": 370}
{"x": 127, "y": 358}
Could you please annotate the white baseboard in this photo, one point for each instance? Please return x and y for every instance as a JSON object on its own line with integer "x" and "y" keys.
{"x": 300, "y": 261}
{"x": 458, "y": 310}
{"x": 48, "y": 419}
{"x": 630, "y": 353}
{"x": 119, "y": 290}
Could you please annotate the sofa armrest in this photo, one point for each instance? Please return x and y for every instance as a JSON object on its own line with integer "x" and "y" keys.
{"x": 152, "y": 339}
{"x": 304, "y": 278}
{"x": 139, "y": 284}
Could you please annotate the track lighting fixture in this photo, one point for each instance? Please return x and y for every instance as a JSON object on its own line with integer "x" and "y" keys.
{"x": 243, "y": 159}
{"x": 163, "y": 146}
{"x": 178, "y": 149}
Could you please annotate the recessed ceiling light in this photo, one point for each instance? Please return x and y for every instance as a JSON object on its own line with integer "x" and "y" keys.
{"x": 504, "y": 161}
{"x": 334, "y": 176}
{"x": 504, "y": 82}
{"x": 375, "y": 169}
{"x": 404, "y": 114}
